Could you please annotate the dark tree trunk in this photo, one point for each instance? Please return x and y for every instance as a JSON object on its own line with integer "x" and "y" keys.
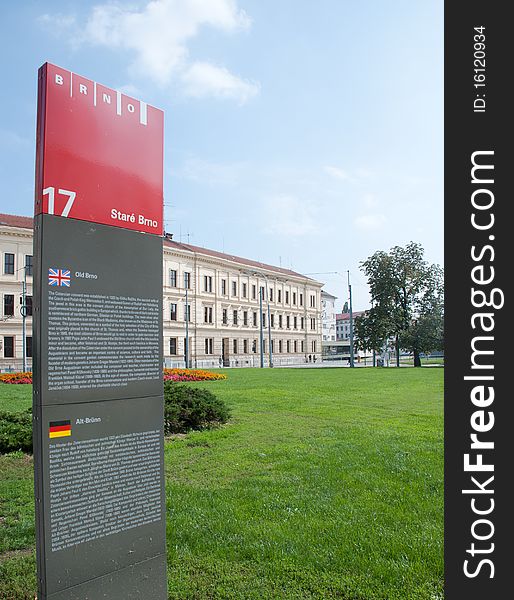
{"x": 397, "y": 345}
{"x": 417, "y": 358}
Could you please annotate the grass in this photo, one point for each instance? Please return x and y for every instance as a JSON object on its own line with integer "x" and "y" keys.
{"x": 328, "y": 483}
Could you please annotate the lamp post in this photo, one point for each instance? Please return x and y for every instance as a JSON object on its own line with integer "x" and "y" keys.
{"x": 269, "y": 328}
{"x": 352, "y": 363}
{"x": 262, "y": 327}
{"x": 187, "y": 323}
{"x": 24, "y": 317}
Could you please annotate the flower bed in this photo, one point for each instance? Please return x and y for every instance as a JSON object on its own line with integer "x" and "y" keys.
{"x": 16, "y": 377}
{"x": 169, "y": 375}
{"x": 191, "y": 375}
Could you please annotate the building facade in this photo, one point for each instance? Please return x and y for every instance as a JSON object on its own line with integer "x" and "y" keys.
{"x": 223, "y": 309}
{"x": 328, "y": 317}
{"x": 343, "y": 324}
{"x": 230, "y": 300}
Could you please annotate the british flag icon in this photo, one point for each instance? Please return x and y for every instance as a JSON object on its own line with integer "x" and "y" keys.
{"x": 59, "y": 277}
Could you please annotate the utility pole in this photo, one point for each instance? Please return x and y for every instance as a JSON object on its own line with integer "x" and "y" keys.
{"x": 187, "y": 324}
{"x": 262, "y": 327}
{"x": 24, "y": 317}
{"x": 352, "y": 363}
{"x": 269, "y": 337}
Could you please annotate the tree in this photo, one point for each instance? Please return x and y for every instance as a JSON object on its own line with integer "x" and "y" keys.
{"x": 407, "y": 302}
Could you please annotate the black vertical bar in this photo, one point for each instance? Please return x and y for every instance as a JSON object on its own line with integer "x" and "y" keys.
{"x": 478, "y": 525}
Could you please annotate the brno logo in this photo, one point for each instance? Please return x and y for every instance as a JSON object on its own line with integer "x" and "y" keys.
{"x": 103, "y": 96}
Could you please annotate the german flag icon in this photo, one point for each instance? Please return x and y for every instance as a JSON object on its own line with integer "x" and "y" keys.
{"x": 58, "y": 429}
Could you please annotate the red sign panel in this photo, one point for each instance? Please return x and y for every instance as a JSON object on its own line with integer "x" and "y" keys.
{"x": 99, "y": 153}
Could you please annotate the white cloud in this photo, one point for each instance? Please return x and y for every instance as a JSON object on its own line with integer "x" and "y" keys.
{"x": 204, "y": 79}
{"x": 57, "y": 23}
{"x": 129, "y": 89}
{"x": 156, "y": 37}
{"x": 288, "y": 215}
{"x": 370, "y": 222}
{"x": 336, "y": 172}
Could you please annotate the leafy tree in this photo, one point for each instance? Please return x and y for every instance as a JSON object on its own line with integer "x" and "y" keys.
{"x": 407, "y": 302}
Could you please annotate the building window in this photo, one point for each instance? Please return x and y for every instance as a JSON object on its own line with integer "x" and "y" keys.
{"x": 9, "y": 305}
{"x": 234, "y": 288}
{"x": 295, "y": 346}
{"x": 234, "y": 346}
{"x": 303, "y": 346}
{"x": 245, "y": 317}
{"x": 279, "y": 298}
{"x": 313, "y": 301}
{"x": 28, "y": 306}
{"x": 8, "y": 346}
{"x": 288, "y": 346}
{"x": 313, "y": 324}
{"x": 288, "y": 322}
{"x": 173, "y": 278}
{"x": 173, "y": 345}
{"x": 295, "y": 322}
{"x": 245, "y": 346}
{"x": 294, "y": 298}
{"x": 280, "y": 321}
{"x": 263, "y": 293}
{"x": 271, "y": 294}
{"x": 207, "y": 283}
{"x": 254, "y": 346}
{"x": 9, "y": 263}
{"x": 264, "y": 320}
{"x": 29, "y": 259}
{"x": 207, "y": 314}
{"x": 301, "y": 299}
{"x": 245, "y": 289}
{"x": 302, "y": 321}
{"x": 187, "y": 280}
{"x": 234, "y": 317}
{"x": 280, "y": 346}
{"x": 224, "y": 316}
{"x": 187, "y": 313}
{"x": 272, "y": 346}
{"x": 254, "y": 292}
{"x": 209, "y": 345}
{"x": 272, "y": 320}
{"x": 28, "y": 346}
{"x": 173, "y": 312}
{"x": 255, "y": 319}
{"x": 287, "y": 297}
{"x": 313, "y": 345}
{"x": 223, "y": 287}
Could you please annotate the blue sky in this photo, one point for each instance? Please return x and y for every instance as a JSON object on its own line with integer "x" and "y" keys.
{"x": 306, "y": 134}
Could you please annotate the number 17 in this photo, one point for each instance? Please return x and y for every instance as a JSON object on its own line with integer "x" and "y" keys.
{"x": 50, "y": 191}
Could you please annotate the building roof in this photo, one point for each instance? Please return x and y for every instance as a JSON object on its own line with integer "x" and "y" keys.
{"x": 346, "y": 316}
{"x": 324, "y": 293}
{"x": 231, "y": 257}
{"x": 16, "y": 221}
{"x": 28, "y": 223}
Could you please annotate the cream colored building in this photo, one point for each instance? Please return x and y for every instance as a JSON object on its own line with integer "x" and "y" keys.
{"x": 223, "y": 295}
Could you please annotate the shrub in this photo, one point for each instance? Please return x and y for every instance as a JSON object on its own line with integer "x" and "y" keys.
{"x": 187, "y": 408}
{"x": 15, "y": 431}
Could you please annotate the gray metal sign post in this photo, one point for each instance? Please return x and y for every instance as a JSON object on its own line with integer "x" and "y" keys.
{"x": 98, "y": 387}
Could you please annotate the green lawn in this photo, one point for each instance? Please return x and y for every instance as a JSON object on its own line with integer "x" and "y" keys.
{"x": 327, "y": 483}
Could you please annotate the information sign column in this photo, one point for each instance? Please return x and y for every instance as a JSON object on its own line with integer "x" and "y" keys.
{"x": 98, "y": 390}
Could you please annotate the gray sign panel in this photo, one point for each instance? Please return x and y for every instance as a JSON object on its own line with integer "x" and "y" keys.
{"x": 101, "y": 312}
{"x": 98, "y": 412}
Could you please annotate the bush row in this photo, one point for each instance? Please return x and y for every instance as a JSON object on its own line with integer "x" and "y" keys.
{"x": 185, "y": 408}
